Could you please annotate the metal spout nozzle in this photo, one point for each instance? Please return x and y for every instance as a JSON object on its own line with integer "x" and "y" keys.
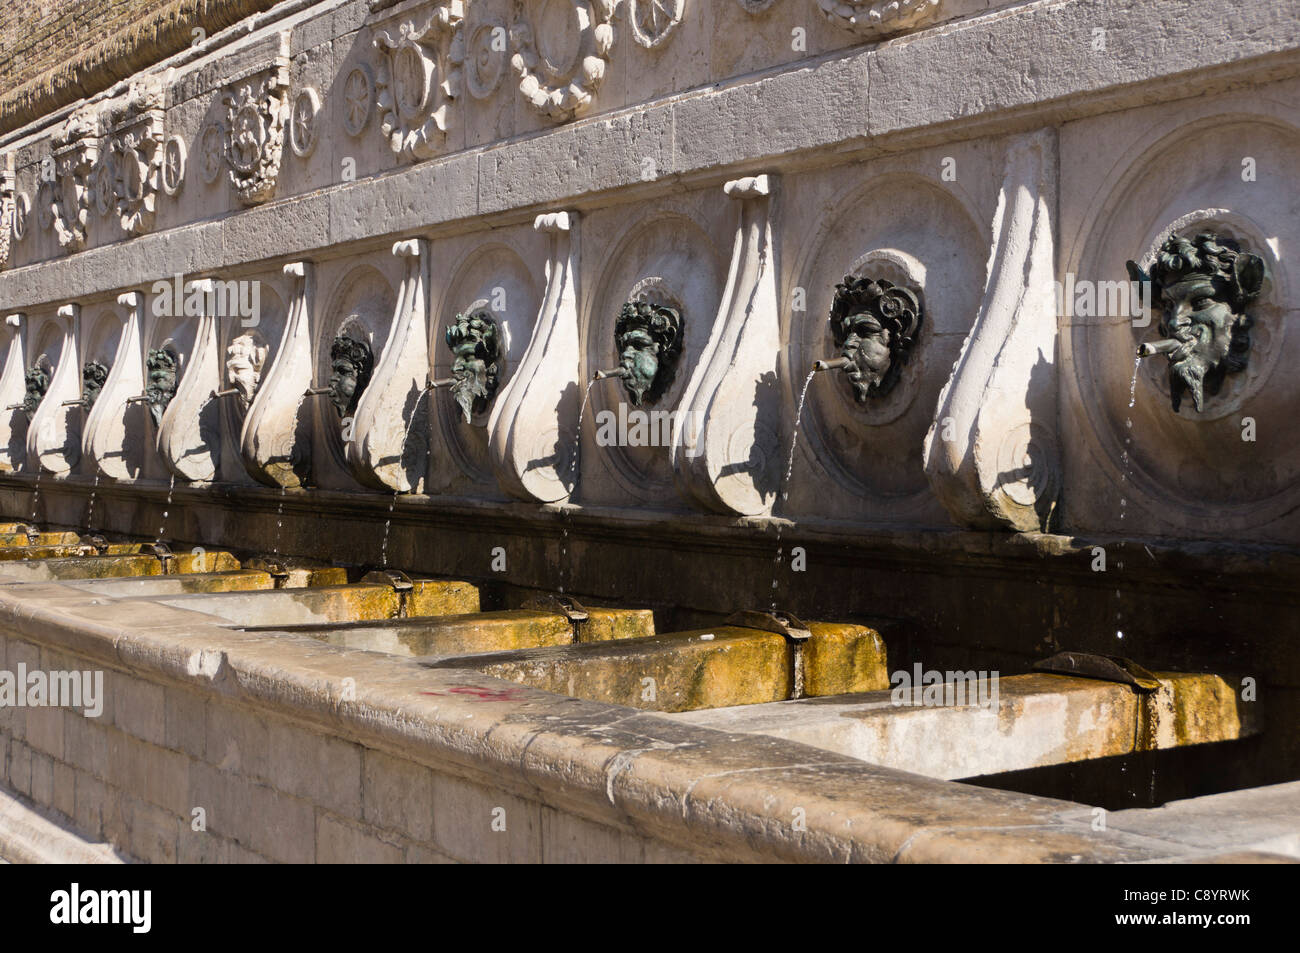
{"x": 315, "y": 391}
{"x": 14, "y": 407}
{"x": 139, "y": 399}
{"x": 228, "y": 392}
{"x": 431, "y": 384}
{"x": 617, "y": 372}
{"x": 1159, "y": 347}
{"x": 79, "y": 402}
{"x": 834, "y": 364}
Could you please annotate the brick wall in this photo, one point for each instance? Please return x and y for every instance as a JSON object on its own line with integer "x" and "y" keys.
{"x": 54, "y": 52}
{"x": 36, "y": 35}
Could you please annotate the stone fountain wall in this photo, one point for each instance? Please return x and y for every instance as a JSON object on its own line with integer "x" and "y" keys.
{"x": 376, "y": 170}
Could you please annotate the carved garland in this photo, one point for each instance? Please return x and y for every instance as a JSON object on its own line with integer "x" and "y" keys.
{"x": 562, "y": 90}
{"x": 254, "y": 130}
{"x": 878, "y": 17}
{"x": 418, "y": 78}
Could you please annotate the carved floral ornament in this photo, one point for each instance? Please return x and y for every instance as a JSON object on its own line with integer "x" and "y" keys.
{"x": 66, "y": 194}
{"x": 257, "y": 111}
{"x": 131, "y": 170}
{"x": 418, "y": 78}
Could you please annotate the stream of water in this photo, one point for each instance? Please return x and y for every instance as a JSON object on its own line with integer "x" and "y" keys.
{"x": 401, "y": 454}
{"x": 785, "y": 482}
{"x": 1125, "y": 467}
{"x": 171, "y": 486}
{"x": 573, "y": 487}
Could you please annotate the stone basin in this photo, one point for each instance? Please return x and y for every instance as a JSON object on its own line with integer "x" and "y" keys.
{"x": 330, "y": 604}
{"x": 702, "y": 668}
{"x": 22, "y": 540}
{"x": 478, "y": 632}
{"x": 235, "y": 580}
{"x": 1031, "y": 721}
{"x": 115, "y": 566}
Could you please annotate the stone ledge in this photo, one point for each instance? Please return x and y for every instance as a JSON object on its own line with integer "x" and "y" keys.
{"x": 28, "y": 836}
{"x": 717, "y": 795}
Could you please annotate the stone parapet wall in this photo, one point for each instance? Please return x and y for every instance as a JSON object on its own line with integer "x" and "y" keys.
{"x": 298, "y": 752}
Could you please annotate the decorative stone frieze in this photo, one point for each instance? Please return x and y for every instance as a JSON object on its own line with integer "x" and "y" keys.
{"x": 276, "y": 440}
{"x": 871, "y": 18}
{"x": 135, "y": 154}
{"x": 419, "y": 77}
{"x": 54, "y": 435}
{"x": 726, "y": 433}
{"x": 992, "y": 454}
{"x": 257, "y": 110}
{"x": 532, "y": 430}
{"x": 75, "y": 150}
{"x": 115, "y": 427}
{"x": 561, "y": 52}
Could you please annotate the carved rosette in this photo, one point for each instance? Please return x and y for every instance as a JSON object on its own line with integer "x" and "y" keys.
{"x": 879, "y": 17}
{"x": 6, "y": 206}
{"x": 419, "y": 76}
{"x": 75, "y": 148}
{"x": 135, "y": 146}
{"x": 562, "y": 48}
{"x": 256, "y": 114}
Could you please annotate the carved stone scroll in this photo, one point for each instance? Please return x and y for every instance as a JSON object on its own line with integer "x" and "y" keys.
{"x": 115, "y": 441}
{"x": 991, "y": 454}
{"x": 54, "y": 435}
{"x": 276, "y": 440}
{"x": 189, "y": 437}
{"x": 726, "y": 443}
{"x": 533, "y": 427}
{"x": 390, "y": 434}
